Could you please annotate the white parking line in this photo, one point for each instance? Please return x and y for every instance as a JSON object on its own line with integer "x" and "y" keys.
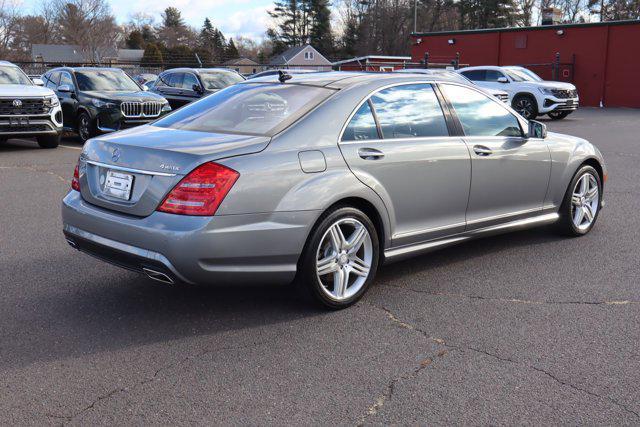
{"x": 67, "y": 146}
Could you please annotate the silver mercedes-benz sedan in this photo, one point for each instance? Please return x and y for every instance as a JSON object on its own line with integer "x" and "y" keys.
{"x": 318, "y": 179}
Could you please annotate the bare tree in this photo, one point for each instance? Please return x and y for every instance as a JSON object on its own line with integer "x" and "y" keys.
{"x": 9, "y": 26}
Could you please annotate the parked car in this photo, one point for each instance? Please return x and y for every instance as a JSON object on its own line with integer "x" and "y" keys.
{"x": 277, "y": 72}
{"x": 101, "y": 100}
{"x": 296, "y": 178}
{"x": 530, "y": 95}
{"x": 181, "y": 86}
{"x": 144, "y": 78}
{"x": 500, "y": 94}
{"x": 27, "y": 110}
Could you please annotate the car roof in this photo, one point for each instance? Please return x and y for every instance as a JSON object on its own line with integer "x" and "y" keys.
{"x": 74, "y": 69}
{"x": 7, "y": 63}
{"x": 343, "y": 79}
{"x": 482, "y": 67}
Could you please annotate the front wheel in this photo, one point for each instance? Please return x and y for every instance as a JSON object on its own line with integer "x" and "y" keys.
{"x": 526, "y": 105}
{"x": 340, "y": 258}
{"x": 558, "y": 115}
{"x": 581, "y": 204}
{"x": 86, "y": 127}
{"x": 48, "y": 141}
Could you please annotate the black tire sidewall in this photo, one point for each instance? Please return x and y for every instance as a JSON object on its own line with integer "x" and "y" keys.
{"x": 566, "y": 222}
{"x": 90, "y": 129}
{"x": 307, "y": 279}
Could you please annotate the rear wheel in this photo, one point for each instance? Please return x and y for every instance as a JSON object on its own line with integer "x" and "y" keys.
{"x": 581, "y": 204}
{"x": 525, "y": 105}
{"x": 558, "y": 115}
{"x": 86, "y": 127}
{"x": 340, "y": 258}
{"x": 48, "y": 141}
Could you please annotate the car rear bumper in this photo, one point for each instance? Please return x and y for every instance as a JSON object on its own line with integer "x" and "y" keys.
{"x": 228, "y": 249}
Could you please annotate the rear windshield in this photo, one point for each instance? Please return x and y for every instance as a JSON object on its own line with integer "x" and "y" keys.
{"x": 219, "y": 80}
{"x": 252, "y": 109}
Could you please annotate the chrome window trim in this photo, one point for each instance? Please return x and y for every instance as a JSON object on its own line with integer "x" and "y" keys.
{"x": 125, "y": 169}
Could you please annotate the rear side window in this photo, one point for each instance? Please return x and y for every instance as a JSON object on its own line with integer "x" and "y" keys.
{"x": 189, "y": 81}
{"x": 251, "y": 109}
{"x": 409, "y": 111}
{"x": 475, "y": 75}
{"x": 362, "y": 125}
{"x": 175, "y": 79}
{"x": 479, "y": 114}
{"x": 493, "y": 75}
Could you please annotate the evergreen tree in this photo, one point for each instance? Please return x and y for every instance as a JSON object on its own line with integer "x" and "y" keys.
{"x": 172, "y": 18}
{"x": 292, "y": 18}
{"x": 231, "y": 51}
{"x": 135, "y": 40}
{"x": 152, "y": 56}
{"x": 320, "y": 35}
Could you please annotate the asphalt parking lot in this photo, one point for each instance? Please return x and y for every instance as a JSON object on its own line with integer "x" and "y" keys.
{"x": 521, "y": 328}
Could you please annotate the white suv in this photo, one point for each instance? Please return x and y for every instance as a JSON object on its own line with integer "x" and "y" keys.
{"x": 530, "y": 95}
{"x": 27, "y": 110}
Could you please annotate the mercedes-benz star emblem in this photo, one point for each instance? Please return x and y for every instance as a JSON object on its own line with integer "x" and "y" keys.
{"x": 115, "y": 156}
{"x": 17, "y": 103}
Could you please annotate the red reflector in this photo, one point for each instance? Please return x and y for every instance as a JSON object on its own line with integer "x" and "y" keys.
{"x": 75, "y": 182}
{"x": 201, "y": 191}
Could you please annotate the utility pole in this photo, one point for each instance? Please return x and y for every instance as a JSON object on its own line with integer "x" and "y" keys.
{"x": 415, "y": 16}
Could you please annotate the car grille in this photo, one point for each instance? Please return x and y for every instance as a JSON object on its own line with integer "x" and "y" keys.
{"x": 5, "y": 127}
{"x": 503, "y": 97}
{"x": 141, "y": 109}
{"x": 561, "y": 93}
{"x": 27, "y": 106}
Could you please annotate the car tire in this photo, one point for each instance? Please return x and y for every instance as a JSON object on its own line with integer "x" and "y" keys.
{"x": 48, "y": 141}
{"x": 86, "y": 127}
{"x": 581, "y": 204}
{"x": 558, "y": 115}
{"x": 340, "y": 258}
{"x": 526, "y": 105}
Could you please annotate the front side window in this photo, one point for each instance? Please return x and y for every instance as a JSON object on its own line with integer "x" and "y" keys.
{"x": 219, "y": 80}
{"x": 105, "y": 80}
{"x": 475, "y": 75}
{"x": 479, "y": 114}
{"x": 52, "y": 80}
{"x": 493, "y": 75}
{"x": 409, "y": 111}
{"x": 251, "y": 109}
{"x": 65, "y": 79}
{"x": 362, "y": 125}
{"x": 10, "y": 75}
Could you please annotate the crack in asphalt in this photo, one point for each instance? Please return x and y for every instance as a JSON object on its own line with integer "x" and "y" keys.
{"x": 511, "y": 300}
{"x": 147, "y": 380}
{"x": 380, "y": 401}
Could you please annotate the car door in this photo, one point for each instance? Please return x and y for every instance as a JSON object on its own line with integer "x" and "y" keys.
{"x": 68, "y": 100}
{"x": 398, "y": 143}
{"x": 510, "y": 172}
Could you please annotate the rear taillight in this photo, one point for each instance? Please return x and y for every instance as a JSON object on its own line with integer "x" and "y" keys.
{"x": 75, "y": 182}
{"x": 201, "y": 191}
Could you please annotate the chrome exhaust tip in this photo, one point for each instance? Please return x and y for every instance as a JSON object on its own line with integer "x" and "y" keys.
{"x": 158, "y": 276}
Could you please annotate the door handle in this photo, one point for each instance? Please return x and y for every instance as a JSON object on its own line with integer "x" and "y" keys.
{"x": 481, "y": 150}
{"x": 370, "y": 154}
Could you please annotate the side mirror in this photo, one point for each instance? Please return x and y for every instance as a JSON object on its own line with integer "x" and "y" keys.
{"x": 537, "y": 130}
{"x": 38, "y": 82}
{"x": 64, "y": 88}
{"x": 503, "y": 80}
{"x": 197, "y": 88}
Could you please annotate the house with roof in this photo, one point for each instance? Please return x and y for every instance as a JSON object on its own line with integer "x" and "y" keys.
{"x": 373, "y": 63}
{"x": 305, "y": 56}
{"x": 58, "y": 53}
{"x": 244, "y": 65}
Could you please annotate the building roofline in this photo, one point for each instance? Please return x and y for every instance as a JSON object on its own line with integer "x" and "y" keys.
{"x": 361, "y": 58}
{"x": 534, "y": 28}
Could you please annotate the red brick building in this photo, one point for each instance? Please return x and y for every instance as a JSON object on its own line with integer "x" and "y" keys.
{"x": 601, "y": 59}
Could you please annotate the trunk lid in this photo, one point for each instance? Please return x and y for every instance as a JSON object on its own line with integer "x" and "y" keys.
{"x": 132, "y": 171}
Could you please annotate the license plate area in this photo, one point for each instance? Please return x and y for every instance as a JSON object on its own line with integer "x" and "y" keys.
{"x": 18, "y": 121}
{"x": 118, "y": 185}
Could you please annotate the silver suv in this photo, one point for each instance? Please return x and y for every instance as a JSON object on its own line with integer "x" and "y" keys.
{"x": 27, "y": 110}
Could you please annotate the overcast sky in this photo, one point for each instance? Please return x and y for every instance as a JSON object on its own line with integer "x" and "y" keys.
{"x": 234, "y": 17}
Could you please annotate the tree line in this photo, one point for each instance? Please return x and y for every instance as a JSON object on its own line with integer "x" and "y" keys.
{"x": 338, "y": 29}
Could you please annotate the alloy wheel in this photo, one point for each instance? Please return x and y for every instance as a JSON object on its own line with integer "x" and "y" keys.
{"x": 524, "y": 106}
{"x": 343, "y": 260}
{"x": 83, "y": 127}
{"x": 585, "y": 201}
